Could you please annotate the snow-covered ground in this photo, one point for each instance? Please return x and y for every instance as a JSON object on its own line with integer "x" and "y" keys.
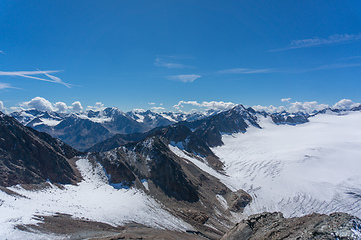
{"x": 312, "y": 167}
{"x": 93, "y": 199}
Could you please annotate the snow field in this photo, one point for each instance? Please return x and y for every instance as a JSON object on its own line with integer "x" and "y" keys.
{"x": 93, "y": 199}
{"x": 313, "y": 167}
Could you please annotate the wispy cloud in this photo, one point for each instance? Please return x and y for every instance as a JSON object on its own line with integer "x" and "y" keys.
{"x": 245, "y": 71}
{"x": 184, "y": 78}
{"x": 5, "y": 86}
{"x": 329, "y": 67}
{"x": 28, "y": 74}
{"x": 160, "y": 63}
{"x": 170, "y": 62}
{"x": 286, "y": 99}
{"x": 316, "y": 42}
{"x": 2, "y": 52}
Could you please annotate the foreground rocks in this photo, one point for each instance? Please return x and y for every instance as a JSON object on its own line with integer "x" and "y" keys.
{"x": 270, "y": 226}
{"x": 313, "y": 226}
{"x": 63, "y": 226}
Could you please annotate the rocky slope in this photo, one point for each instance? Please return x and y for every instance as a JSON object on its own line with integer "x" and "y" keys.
{"x": 185, "y": 190}
{"x": 28, "y": 156}
{"x": 196, "y": 137}
{"x": 274, "y": 226}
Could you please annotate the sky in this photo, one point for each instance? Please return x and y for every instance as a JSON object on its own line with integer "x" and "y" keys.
{"x": 158, "y": 54}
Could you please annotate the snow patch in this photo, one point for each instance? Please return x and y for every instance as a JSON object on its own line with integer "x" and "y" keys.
{"x": 93, "y": 199}
{"x": 222, "y": 201}
{"x": 48, "y": 122}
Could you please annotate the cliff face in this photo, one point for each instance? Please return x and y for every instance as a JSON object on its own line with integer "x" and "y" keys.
{"x": 27, "y": 156}
{"x": 314, "y": 226}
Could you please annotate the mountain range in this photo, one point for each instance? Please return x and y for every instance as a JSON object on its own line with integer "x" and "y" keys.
{"x": 83, "y": 130}
{"x": 173, "y": 163}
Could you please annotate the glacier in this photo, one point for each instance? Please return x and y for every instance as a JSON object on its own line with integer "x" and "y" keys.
{"x": 297, "y": 170}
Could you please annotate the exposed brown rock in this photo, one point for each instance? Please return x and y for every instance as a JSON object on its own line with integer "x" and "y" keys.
{"x": 274, "y": 226}
{"x": 239, "y": 200}
{"x": 27, "y": 156}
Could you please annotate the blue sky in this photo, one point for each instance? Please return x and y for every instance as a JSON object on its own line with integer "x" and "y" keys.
{"x": 131, "y": 53}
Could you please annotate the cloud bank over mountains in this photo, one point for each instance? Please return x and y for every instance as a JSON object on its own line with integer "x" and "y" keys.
{"x": 43, "y": 104}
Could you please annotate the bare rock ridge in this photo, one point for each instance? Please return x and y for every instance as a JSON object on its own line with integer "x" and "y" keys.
{"x": 274, "y": 226}
{"x": 28, "y": 156}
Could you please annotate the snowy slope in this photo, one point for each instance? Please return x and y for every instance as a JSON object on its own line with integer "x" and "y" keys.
{"x": 313, "y": 167}
{"x": 92, "y": 199}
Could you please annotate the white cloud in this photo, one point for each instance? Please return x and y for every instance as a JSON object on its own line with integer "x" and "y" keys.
{"x": 43, "y": 104}
{"x": 38, "y": 103}
{"x": 314, "y": 42}
{"x": 207, "y": 105}
{"x": 98, "y": 107}
{"x": 158, "y": 109}
{"x": 184, "y": 78}
{"x": 182, "y": 103}
{"x": 77, "y": 107}
{"x": 2, "y": 52}
{"x": 60, "y": 107}
{"x": 345, "y": 104}
{"x": 5, "y": 86}
{"x": 159, "y": 63}
{"x": 151, "y": 103}
{"x": 286, "y": 99}
{"x": 28, "y": 74}
{"x": 2, "y": 108}
{"x": 168, "y": 62}
{"x": 307, "y": 107}
{"x": 245, "y": 71}
{"x": 269, "y": 109}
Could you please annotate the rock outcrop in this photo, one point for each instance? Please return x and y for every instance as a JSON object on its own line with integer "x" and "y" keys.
{"x": 274, "y": 226}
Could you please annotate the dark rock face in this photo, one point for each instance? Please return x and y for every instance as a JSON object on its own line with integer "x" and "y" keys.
{"x": 234, "y": 120}
{"x": 150, "y": 159}
{"x": 290, "y": 119}
{"x": 315, "y": 226}
{"x": 27, "y": 156}
{"x": 358, "y": 108}
{"x": 79, "y": 133}
{"x": 116, "y": 141}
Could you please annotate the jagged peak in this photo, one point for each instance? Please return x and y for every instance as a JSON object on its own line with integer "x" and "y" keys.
{"x": 239, "y": 108}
